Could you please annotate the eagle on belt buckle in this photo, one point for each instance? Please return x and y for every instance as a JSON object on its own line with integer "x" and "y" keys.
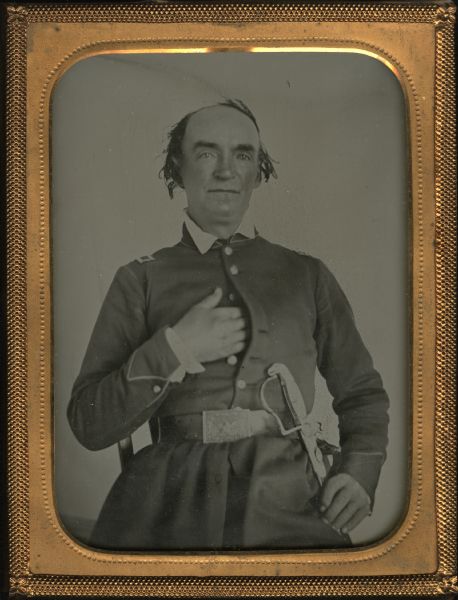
{"x": 230, "y": 425}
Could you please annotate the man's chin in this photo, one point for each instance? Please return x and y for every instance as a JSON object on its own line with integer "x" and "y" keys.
{"x": 225, "y": 211}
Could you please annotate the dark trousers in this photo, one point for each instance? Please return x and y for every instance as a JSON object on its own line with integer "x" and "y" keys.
{"x": 317, "y": 533}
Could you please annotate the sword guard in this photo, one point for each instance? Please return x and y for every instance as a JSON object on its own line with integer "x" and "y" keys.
{"x": 307, "y": 430}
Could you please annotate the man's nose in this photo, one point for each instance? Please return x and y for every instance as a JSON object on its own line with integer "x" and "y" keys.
{"x": 224, "y": 168}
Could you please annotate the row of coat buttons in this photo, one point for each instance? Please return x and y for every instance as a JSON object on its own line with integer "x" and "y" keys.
{"x": 232, "y": 360}
{"x": 234, "y": 270}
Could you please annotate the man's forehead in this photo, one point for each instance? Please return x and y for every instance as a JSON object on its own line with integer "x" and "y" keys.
{"x": 221, "y": 121}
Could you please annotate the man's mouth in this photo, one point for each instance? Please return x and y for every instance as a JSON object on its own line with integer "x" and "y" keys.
{"x": 223, "y": 191}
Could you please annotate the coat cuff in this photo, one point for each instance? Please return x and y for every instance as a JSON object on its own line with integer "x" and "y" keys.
{"x": 188, "y": 364}
{"x": 153, "y": 360}
{"x": 364, "y": 468}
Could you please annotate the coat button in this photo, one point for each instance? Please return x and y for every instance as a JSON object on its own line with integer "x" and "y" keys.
{"x": 157, "y": 389}
{"x": 231, "y": 297}
{"x": 234, "y": 269}
{"x": 241, "y": 384}
{"x": 228, "y": 250}
{"x": 231, "y": 360}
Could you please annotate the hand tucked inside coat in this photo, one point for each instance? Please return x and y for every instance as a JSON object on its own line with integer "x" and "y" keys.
{"x": 211, "y": 332}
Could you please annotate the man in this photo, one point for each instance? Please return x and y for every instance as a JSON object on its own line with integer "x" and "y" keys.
{"x": 186, "y": 339}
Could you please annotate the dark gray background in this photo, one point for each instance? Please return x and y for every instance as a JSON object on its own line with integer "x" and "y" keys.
{"x": 335, "y": 123}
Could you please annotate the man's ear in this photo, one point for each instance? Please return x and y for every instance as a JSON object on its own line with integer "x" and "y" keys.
{"x": 177, "y": 172}
{"x": 258, "y": 179}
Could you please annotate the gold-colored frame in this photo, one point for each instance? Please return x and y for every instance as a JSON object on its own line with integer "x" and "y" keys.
{"x": 416, "y": 41}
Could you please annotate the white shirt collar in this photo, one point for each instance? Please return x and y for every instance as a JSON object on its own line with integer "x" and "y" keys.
{"x": 204, "y": 241}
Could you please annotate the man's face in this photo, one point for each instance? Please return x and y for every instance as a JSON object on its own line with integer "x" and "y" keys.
{"x": 220, "y": 167}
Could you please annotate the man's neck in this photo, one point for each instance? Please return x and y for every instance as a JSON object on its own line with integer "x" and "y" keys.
{"x": 220, "y": 231}
{"x": 204, "y": 240}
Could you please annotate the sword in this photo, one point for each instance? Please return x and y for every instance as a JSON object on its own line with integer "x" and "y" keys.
{"x": 294, "y": 401}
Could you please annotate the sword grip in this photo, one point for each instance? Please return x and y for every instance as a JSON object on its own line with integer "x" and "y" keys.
{"x": 296, "y": 405}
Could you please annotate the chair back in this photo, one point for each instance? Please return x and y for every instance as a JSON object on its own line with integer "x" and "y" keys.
{"x": 126, "y": 448}
{"x": 126, "y": 451}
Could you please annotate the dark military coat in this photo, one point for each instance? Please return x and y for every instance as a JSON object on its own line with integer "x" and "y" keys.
{"x": 181, "y": 494}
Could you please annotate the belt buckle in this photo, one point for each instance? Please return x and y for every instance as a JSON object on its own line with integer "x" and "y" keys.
{"x": 230, "y": 425}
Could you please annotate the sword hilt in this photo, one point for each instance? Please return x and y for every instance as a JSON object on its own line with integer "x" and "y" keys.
{"x": 291, "y": 392}
{"x": 295, "y": 402}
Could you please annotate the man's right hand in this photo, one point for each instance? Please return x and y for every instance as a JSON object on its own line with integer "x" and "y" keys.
{"x": 212, "y": 333}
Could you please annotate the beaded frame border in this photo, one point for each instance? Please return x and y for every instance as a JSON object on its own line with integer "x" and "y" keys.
{"x": 22, "y": 581}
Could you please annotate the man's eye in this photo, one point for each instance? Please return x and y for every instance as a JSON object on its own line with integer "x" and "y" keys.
{"x": 244, "y": 156}
{"x": 205, "y": 155}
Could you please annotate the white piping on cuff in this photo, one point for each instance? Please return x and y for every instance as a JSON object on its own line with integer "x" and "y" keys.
{"x": 130, "y": 378}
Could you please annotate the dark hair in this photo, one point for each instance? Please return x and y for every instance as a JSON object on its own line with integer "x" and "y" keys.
{"x": 173, "y": 153}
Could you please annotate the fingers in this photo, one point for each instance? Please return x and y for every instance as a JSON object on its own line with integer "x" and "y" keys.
{"x": 238, "y": 347}
{"x": 337, "y": 505}
{"x": 344, "y": 503}
{"x": 225, "y": 330}
{"x": 233, "y": 344}
{"x": 212, "y": 300}
{"x": 345, "y": 515}
{"x": 350, "y": 517}
{"x": 355, "y": 520}
{"x": 227, "y": 312}
{"x": 235, "y": 337}
{"x": 331, "y": 488}
{"x": 228, "y": 350}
